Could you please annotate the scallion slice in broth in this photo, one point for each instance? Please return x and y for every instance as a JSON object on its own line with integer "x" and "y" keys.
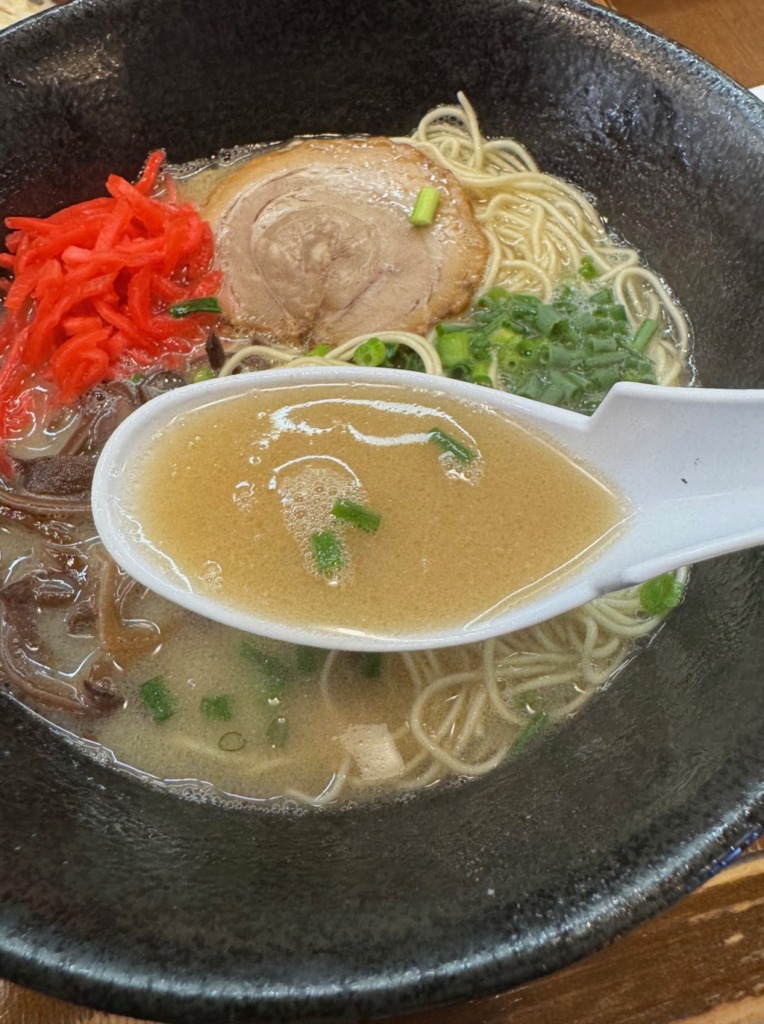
{"x": 360, "y": 516}
{"x": 157, "y": 698}
{"x": 450, "y": 445}
{"x": 327, "y": 552}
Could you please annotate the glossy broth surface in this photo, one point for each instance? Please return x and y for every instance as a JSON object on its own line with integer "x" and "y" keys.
{"x": 233, "y": 493}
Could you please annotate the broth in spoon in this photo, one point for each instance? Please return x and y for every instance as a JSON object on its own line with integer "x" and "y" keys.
{"x": 370, "y": 509}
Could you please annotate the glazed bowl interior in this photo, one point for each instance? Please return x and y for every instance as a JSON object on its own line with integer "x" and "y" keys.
{"x": 120, "y": 896}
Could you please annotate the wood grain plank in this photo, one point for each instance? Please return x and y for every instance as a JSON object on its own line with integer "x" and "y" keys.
{"x": 729, "y": 33}
{"x": 701, "y": 961}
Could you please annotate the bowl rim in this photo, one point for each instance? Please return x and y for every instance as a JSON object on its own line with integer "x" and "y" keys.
{"x": 700, "y": 855}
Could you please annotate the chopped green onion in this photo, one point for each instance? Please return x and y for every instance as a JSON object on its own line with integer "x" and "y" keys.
{"x": 451, "y": 445}
{"x": 203, "y": 373}
{"x": 270, "y": 664}
{"x": 569, "y": 382}
{"x": 548, "y": 317}
{"x": 644, "y": 335}
{"x": 480, "y": 370}
{"x": 425, "y": 206}
{"x": 231, "y": 741}
{"x": 591, "y": 324}
{"x": 319, "y": 350}
{"x": 447, "y": 327}
{"x": 660, "y": 595}
{"x": 552, "y": 354}
{"x": 611, "y": 312}
{"x": 276, "y": 673}
{"x": 552, "y": 393}
{"x": 136, "y": 378}
{"x": 604, "y": 297}
{"x": 277, "y": 732}
{"x": 360, "y": 516}
{"x": 605, "y": 377}
{"x": 157, "y": 698}
{"x": 645, "y": 371}
{"x": 217, "y": 709}
{"x": 601, "y": 343}
{"x": 600, "y": 359}
{"x": 453, "y": 348}
{"x": 528, "y": 348}
{"x": 531, "y": 730}
{"x": 372, "y": 668}
{"x": 504, "y": 336}
{"x": 530, "y": 387}
{"x": 371, "y": 353}
{"x": 207, "y": 304}
{"x": 327, "y": 552}
{"x": 587, "y": 268}
{"x": 410, "y": 360}
{"x": 567, "y": 351}
{"x": 493, "y": 295}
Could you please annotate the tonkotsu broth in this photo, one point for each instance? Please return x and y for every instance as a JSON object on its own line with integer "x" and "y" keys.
{"x": 457, "y": 537}
{"x": 80, "y": 641}
{"x": 325, "y": 702}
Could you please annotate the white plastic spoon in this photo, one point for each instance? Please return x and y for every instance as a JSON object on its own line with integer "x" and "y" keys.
{"x": 689, "y": 461}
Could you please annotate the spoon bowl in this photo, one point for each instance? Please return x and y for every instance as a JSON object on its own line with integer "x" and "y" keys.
{"x": 687, "y": 462}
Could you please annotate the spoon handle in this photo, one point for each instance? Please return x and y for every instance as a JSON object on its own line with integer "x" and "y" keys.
{"x": 691, "y": 461}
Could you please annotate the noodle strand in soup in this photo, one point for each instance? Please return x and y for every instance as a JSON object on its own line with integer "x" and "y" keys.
{"x": 355, "y": 728}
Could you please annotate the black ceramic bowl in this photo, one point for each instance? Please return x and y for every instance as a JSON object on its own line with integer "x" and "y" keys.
{"x": 118, "y": 896}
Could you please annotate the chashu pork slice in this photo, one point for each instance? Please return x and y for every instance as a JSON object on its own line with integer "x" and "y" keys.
{"x": 316, "y": 246}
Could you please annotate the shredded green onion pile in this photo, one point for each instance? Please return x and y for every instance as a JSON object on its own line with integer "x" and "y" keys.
{"x": 566, "y": 352}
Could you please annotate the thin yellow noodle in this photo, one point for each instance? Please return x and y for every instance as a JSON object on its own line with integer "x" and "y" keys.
{"x": 592, "y": 632}
{"x": 432, "y": 775}
{"x": 472, "y": 720}
{"x": 494, "y": 264}
{"x": 423, "y": 756}
{"x": 608, "y": 648}
{"x": 511, "y": 674}
{"x": 492, "y": 689}
{"x": 635, "y": 629}
{"x": 329, "y": 793}
{"x": 326, "y": 673}
{"x": 446, "y": 758}
{"x": 545, "y": 682}
{"x": 433, "y": 661}
{"x": 538, "y": 228}
{"x": 531, "y": 659}
{"x": 341, "y": 353}
{"x": 576, "y": 703}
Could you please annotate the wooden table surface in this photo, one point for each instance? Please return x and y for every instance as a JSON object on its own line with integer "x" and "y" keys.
{"x": 702, "y": 962}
